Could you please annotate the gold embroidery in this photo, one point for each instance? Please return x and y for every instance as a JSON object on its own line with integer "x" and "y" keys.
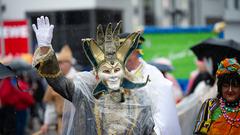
{"x": 47, "y": 65}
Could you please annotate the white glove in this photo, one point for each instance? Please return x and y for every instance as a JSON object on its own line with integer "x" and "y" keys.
{"x": 43, "y": 31}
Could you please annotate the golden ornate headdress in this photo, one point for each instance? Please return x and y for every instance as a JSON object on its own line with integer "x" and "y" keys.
{"x": 108, "y": 47}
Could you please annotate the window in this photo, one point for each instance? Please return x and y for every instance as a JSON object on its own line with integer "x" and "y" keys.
{"x": 72, "y": 17}
{"x": 226, "y": 4}
{"x": 236, "y": 4}
{"x": 104, "y": 16}
{"x": 149, "y": 12}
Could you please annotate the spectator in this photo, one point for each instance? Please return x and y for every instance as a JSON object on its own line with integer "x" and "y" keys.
{"x": 13, "y": 100}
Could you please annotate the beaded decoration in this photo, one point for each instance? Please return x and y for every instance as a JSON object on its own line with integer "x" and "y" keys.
{"x": 232, "y": 121}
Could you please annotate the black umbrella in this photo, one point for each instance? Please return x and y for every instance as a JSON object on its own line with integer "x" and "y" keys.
{"x": 217, "y": 50}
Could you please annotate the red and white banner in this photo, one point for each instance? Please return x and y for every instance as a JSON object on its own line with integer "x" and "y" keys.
{"x": 15, "y": 35}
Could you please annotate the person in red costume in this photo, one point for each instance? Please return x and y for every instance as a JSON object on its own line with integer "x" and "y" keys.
{"x": 14, "y": 105}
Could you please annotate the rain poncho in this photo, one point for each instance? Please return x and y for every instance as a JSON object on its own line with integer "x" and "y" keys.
{"x": 143, "y": 108}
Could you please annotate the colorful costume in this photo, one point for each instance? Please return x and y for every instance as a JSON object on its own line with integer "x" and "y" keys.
{"x": 99, "y": 105}
{"x": 217, "y": 116}
{"x": 212, "y": 122}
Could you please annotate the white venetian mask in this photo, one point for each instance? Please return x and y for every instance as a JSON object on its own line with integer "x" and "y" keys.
{"x": 111, "y": 74}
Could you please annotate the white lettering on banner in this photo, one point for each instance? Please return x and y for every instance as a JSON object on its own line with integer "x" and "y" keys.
{"x": 14, "y": 32}
{"x": 180, "y": 55}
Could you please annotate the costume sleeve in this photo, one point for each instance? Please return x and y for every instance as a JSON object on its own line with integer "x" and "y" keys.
{"x": 63, "y": 86}
{"x": 47, "y": 66}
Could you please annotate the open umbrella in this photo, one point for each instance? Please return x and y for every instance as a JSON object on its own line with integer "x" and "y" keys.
{"x": 6, "y": 71}
{"x": 217, "y": 50}
{"x": 14, "y": 69}
{"x": 20, "y": 66}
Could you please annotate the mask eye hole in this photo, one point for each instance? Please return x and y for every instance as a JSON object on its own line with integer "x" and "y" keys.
{"x": 106, "y": 71}
{"x": 116, "y": 70}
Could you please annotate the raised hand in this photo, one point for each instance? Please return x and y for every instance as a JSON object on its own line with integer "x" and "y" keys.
{"x": 43, "y": 31}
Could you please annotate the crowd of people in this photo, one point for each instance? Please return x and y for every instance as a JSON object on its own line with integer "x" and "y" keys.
{"x": 123, "y": 94}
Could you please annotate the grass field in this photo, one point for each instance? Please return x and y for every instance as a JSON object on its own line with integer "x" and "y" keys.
{"x": 176, "y": 48}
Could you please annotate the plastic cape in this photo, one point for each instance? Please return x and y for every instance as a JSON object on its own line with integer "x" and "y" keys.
{"x": 143, "y": 108}
{"x": 104, "y": 116}
{"x": 147, "y": 108}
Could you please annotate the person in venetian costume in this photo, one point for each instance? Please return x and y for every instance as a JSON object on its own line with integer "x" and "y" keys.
{"x": 104, "y": 100}
{"x": 220, "y": 116}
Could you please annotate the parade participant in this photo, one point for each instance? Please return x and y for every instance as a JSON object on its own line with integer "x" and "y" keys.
{"x": 221, "y": 115}
{"x": 105, "y": 100}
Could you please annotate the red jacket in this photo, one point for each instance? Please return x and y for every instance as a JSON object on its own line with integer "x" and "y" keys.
{"x": 10, "y": 95}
